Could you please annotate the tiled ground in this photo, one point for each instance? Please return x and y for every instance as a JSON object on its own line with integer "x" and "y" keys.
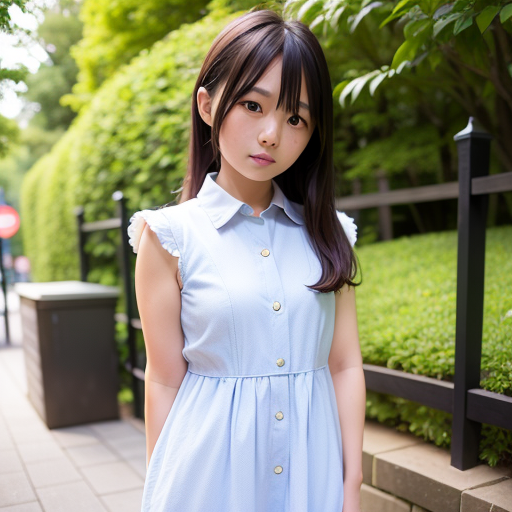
{"x": 86, "y": 468}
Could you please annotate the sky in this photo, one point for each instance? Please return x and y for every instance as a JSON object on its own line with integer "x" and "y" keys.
{"x": 15, "y": 50}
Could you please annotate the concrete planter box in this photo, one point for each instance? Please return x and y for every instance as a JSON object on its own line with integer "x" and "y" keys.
{"x": 70, "y": 354}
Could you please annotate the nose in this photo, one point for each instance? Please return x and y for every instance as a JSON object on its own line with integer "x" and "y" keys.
{"x": 269, "y": 134}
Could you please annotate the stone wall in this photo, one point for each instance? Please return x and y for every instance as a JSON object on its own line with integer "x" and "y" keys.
{"x": 402, "y": 473}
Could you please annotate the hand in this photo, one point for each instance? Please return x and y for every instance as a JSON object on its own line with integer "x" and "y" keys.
{"x": 351, "y": 497}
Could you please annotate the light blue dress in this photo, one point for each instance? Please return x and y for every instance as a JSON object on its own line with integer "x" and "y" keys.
{"x": 254, "y": 426}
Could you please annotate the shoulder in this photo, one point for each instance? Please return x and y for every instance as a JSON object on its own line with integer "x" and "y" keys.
{"x": 349, "y": 226}
{"x": 177, "y": 212}
{"x": 160, "y": 221}
{"x": 167, "y": 222}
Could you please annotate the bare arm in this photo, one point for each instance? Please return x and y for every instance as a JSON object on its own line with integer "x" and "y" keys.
{"x": 346, "y": 366}
{"x": 159, "y": 302}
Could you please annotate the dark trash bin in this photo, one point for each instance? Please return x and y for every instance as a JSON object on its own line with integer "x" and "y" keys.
{"x": 70, "y": 353}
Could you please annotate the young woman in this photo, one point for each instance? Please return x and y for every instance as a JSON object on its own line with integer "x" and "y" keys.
{"x": 254, "y": 371}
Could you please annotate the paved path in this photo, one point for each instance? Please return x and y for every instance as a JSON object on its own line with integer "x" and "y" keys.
{"x": 87, "y": 468}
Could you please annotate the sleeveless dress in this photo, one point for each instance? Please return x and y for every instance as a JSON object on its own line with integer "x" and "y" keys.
{"x": 254, "y": 426}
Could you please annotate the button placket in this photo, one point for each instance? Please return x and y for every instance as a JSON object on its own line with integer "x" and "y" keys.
{"x": 280, "y": 451}
{"x": 279, "y": 331}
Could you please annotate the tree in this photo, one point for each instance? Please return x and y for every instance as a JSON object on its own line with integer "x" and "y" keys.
{"x": 9, "y": 132}
{"x": 118, "y": 30}
{"x": 462, "y": 48}
{"x": 59, "y": 31}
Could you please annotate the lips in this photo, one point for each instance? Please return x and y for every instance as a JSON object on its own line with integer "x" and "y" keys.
{"x": 264, "y": 156}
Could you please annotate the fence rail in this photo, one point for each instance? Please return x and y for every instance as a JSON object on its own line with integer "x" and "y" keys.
{"x": 463, "y": 398}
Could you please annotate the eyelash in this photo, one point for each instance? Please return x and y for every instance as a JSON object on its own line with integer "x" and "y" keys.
{"x": 256, "y": 103}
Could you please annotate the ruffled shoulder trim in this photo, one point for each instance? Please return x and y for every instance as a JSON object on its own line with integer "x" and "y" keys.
{"x": 158, "y": 223}
{"x": 349, "y": 226}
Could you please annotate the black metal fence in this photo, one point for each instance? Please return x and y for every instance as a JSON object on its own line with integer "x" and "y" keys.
{"x": 463, "y": 398}
{"x": 132, "y": 324}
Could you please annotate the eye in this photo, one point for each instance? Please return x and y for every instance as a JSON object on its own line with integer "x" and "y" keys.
{"x": 299, "y": 119}
{"x": 250, "y": 104}
{"x": 247, "y": 103}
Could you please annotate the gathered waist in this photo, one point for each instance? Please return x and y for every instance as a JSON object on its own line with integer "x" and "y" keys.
{"x": 282, "y": 374}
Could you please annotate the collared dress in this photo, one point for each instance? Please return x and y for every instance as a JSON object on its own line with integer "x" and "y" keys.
{"x": 254, "y": 426}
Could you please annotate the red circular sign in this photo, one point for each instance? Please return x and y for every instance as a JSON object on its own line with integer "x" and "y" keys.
{"x": 9, "y": 221}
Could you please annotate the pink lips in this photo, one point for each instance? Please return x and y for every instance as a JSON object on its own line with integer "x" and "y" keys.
{"x": 263, "y": 159}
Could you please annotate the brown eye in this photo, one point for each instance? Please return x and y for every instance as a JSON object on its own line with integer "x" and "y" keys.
{"x": 298, "y": 120}
{"x": 248, "y": 104}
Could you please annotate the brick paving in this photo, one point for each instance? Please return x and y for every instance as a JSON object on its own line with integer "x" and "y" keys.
{"x": 97, "y": 467}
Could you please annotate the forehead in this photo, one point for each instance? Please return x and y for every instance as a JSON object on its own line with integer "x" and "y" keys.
{"x": 270, "y": 80}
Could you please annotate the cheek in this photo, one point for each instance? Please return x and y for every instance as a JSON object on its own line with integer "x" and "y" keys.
{"x": 233, "y": 133}
{"x": 297, "y": 143}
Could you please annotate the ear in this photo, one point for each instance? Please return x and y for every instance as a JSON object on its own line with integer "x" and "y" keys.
{"x": 204, "y": 105}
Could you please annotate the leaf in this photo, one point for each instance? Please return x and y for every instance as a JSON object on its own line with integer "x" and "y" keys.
{"x": 316, "y": 21}
{"x": 413, "y": 28}
{"x": 398, "y": 11}
{"x": 336, "y": 16}
{"x": 506, "y": 13}
{"x": 398, "y": 69}
{"x": 439, "y": 25}
{"x": 306, "y": 6}
{"x": 400, "y": 5}
{"x": 376, "y": 82}
{"x": 339, "y": 88}
{"x": 484, "y": 19}
{"x": 406, "y": 51}
{"x": 361, "y": 83}
{"x": 362, "y": 13}
{"x": 462, "y": 24}
{"x": 347, "y": 90}
{"x": 444, "y": 9}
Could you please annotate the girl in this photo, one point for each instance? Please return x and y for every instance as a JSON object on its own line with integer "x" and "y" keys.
{"x": 254, "y": 371}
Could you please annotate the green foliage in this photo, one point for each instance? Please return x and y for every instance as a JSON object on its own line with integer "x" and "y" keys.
{"x": 49, "y": 227}
{"x": 133, "y": 137}
{"x": 15, "y": 75}
{"x": 406, "y": 311}
{"x": 118, "y": 30}
{"x": 5, "y": 19}
{"x": 9, "y": 135}
{"x": 404, "y": 132}
{"x": 56, "y": 76}
{"x": 460, "y": 48}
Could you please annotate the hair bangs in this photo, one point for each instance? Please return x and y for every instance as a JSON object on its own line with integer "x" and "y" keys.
{"x": 289, "y": 94}
{"x": 264, "y": 51}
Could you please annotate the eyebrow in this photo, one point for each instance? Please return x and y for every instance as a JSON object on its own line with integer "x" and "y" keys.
{"x": 266, "y": 93}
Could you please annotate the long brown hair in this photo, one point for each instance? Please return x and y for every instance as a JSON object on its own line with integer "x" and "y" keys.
{"x": 238, "y": 57}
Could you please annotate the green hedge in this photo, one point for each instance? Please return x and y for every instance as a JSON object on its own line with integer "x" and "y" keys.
{"x": 49, "y": 227}
{"x": 406, "y": 312}
{"x": 133, "y": 137}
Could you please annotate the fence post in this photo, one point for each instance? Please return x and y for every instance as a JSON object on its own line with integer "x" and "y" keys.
{"x": 473, "y": 145}
{"x": 84, "y": 266}
{"x": 126, "y": 272}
